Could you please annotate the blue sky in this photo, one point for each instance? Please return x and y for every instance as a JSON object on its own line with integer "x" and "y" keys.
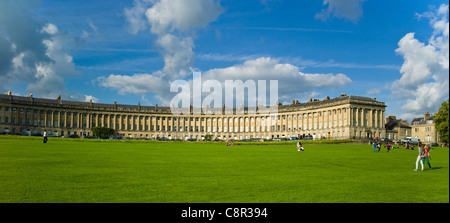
{"x": 130, "y": 51}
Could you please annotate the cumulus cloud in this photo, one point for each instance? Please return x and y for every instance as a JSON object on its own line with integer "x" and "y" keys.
{"x": 174, "y": 23}
{"x": 138, "y": 84}
{"x": 424, "y": 82}
{"x": 347, "y": 9}
{"x": 33, "y": 52}
{"x": 291, "y": 81}
{"x": 89, "y": 98}
{"x": 172, "y": 15}
{"x": 136, "y": 15}
{"x": 178, "y": 56}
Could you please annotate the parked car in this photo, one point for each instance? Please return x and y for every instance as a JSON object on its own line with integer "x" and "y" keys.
{"x": 73, "y": 136}
{"x": 277, "y": 139}
{"x": 308, "y": 138}
{"x": 413, "y": 141}
{"x": 433, "y": 145}
{"x": 403, "y": 140}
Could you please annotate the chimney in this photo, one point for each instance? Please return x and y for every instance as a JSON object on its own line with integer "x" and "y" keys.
{"x": 310, "y": 100}
{"x": 115, "y": 104}
{"x": 391, "y": 118}
{"x": 293, "y": 102}
{"x": 58, "y": 99}
{"x": 327, "y": 98}
{"x": 139, "y": 106}
{"x": 10, "y": 95}
{"x": 427, "y": 116}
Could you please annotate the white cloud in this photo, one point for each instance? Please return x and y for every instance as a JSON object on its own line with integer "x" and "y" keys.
{"x": 48, "y": 78}
{"x": 50, "y": 29}
{"x": 348, "y": 9}
{"x": 136, "y": 15}
{"x": 178, "y": 56}
{"x": 138, "y": 84}
{"x": 374, "y": 91}
{"x": 291, "y": 81}
{"x": 88, "y": 98}
{"x": 171, "y": 15}
{"x": 32, "y": 52}
{"x": 173, "y": 21}
{"x": 424, "y": 82}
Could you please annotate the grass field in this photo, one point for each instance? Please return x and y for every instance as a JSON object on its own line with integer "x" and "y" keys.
{"x": 92, "y": 171}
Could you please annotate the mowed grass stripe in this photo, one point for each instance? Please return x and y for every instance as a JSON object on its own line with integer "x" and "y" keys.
{"x": 91, "y": 171}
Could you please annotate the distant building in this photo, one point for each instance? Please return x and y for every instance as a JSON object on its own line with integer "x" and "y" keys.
{"x": 424, "y": 129}
{"x": 397, "y": 128}
{"x": 343, "y": 117}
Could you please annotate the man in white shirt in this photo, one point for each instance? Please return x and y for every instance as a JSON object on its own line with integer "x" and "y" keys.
{"x": 45, "y": 136}
{"x": 420, "y": 157}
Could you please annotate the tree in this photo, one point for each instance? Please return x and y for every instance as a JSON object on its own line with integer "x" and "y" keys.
{"x": 208, "y": 137}
{"x": 442, "y": 121}
{"x": 103, "y": 132}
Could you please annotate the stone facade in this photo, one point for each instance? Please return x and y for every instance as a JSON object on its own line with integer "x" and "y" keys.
{"x": 424, "y": 129}
{"x": 397, "y": 128}
{"x": 343, "y": 117}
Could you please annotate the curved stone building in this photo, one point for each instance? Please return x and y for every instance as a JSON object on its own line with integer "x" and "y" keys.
{"x": 343, "y": 117}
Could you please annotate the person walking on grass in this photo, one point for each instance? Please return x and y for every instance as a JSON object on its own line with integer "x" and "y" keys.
{"x": 420, "y": 157}
{"x": 426, "y": 156}
{"x": 300, "y": 147}
{"x": 375, "y": 146}
{"x": 388, "y": 147}
{"x": 45, "y": 136}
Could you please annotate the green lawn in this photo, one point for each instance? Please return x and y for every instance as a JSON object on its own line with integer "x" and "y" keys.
{"x": 92, "y": 171}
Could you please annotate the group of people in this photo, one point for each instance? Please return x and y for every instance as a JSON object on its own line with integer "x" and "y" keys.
{"x": 424, "y": 155}
{"x": 407, "y": 145}
{"x": 377, "y": 146}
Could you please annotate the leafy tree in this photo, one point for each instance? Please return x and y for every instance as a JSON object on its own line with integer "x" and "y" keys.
{"x": 103, "y": 132}
{"x": 442, "y": 121}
